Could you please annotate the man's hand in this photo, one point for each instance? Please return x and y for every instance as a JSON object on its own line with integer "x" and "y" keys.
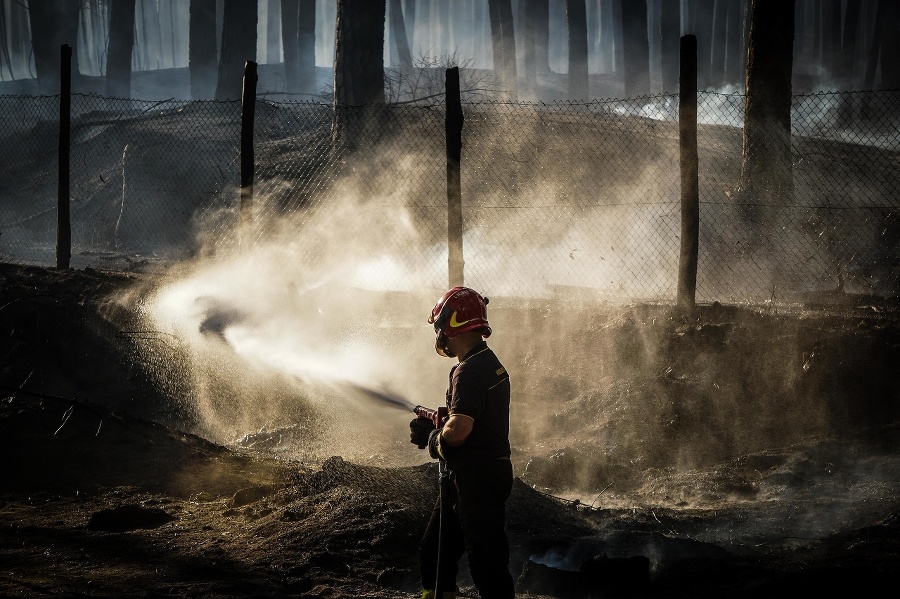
{"x": 419, "y": 429}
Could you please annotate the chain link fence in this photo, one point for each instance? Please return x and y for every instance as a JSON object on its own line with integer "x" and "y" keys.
{"x": 565, "y": 199}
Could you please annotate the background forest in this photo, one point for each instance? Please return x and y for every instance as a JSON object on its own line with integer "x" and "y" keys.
{"x": 607, "y": 47}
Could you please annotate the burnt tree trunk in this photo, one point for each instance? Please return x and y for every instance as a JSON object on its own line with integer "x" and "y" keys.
{"x": 273, "y": 31}
{"x": 702, "y": 18}
{"x": 358, "y": 68}
{"x": 398, "y": 35}
{"x": 54, "y": 23}
{"x": 890, "y": 49}
{"x": 636, "y": 47}
{"x": 290, "y": 45}
{"x": 359, "y": 53}
{"x": 719, "y": 43}
{"x": 848, "y": 44}
{"x": 503, "y": 42}
{"x": 670, "y": 32}
{"x": 202, "y": 54}
{"x": 238, "y": 46}
{"x": 734, "y": 59}
{"x": 121, "y": 46}
{"x": 766, "y": 168}
{"x": 576, "y": 19}
{"x": 306, "y": 46}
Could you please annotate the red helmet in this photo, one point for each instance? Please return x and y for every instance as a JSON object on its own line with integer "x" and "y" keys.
{"x": 460, "y": 310}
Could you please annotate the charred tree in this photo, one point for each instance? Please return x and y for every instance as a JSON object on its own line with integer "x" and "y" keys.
{"x": 290, "y": 11}
{"x": 238, "y": 46}
{"x": 398, "y": 35}
{"x": 150, "y": 42}
{"x": 358, "y": 68}
{"x": 702, "y": 26}
{"x": 890, "y": 50}
{"x": 529, "y": 11}
{"x": 503, "y": 42}
{"x": 54, "y": 23}
{"x": 848, "y": 44}
{"x": 766, "y": 167}
{"x": 636, "y": 48}
{"x": 734, "y": 58}
{"x": 273, "y": 31}
{"x": 576, "y": 19}
{"x": 670, "y": 33}
{"x": 875, "y": 46}
{"x": 409, "y": 17}
{"x": 359, "y": 53}
{"x": 306, "y": 46}
{"x": 121, "y": 46}
{"x": 719, "y": 43}
{"x": 202, "y": 54}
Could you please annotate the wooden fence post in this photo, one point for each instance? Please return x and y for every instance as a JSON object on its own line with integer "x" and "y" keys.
{"x": 690, "y": 187}
{"x": 248, "y": 110}
{"x": 63, "y": 214}
{"x": 453, "y": 125}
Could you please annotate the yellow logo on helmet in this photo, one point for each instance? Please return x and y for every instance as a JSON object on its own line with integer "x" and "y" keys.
{"x": 453, "y": 321}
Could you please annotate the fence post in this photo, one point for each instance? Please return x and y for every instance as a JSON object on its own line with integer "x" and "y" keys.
{"x": 690, "y": 187}
{"x": 453, "y": 125}
{"x": 248, "y": 110}
{"x": 63, "y": 214}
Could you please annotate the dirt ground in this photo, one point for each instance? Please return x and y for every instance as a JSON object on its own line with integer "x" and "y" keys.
{"x": 104, "y": 495}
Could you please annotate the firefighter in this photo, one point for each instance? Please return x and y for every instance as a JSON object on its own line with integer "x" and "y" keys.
{"x": 474, "y": 446}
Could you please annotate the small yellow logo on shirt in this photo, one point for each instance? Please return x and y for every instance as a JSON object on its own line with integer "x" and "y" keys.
{"x": 500, "y": 370}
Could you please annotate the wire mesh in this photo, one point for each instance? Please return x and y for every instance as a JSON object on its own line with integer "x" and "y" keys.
{"x": 561, "y": 199}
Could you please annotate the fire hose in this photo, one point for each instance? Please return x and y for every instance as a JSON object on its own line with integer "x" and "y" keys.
{"x": 438, "y": 417}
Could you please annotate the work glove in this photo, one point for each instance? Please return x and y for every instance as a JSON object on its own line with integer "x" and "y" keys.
{"x": 419, "y": 429}
{"x": 434, "y": 444}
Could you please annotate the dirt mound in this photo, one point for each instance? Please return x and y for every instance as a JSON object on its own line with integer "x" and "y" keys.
{"x": 107, "y": 491}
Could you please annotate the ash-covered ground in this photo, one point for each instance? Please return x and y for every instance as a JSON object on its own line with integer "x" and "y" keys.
{"x": 733, "y": 452}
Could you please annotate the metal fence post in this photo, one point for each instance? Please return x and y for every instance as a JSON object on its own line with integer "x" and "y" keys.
{"x": 248, "y": 109}
{"x": 453, "y": 125}
{"x": 63, "y": 215}
{"x": 690, "y": 187}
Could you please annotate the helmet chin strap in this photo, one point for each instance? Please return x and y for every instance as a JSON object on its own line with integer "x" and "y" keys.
{"x": 441, "y": 346}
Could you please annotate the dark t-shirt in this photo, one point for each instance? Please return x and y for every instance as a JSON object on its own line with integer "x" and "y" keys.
{"x": 479, "y": 389}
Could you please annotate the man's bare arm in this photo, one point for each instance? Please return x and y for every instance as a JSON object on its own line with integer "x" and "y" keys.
{"x": 457, "y": 429}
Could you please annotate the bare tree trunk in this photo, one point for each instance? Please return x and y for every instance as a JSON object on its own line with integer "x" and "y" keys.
{"x": 152, "y": 34}
{"x": 702, "y": 17}
{"x": 848, "y": 44}
{"x": 306, "y": 45}
{"x": 409, "y": 17}
{"x": 290, "y": 11}
{"x": 398, "y": 33}
{"x": 719, "y": 43}
{"x": 890, "y": 39}
{"x": 527, "y": 30}
{"x": 121, "y": 45}
{"x": 875, "y": 48}
{"x": 273, "y": 32}
{"x": 359, "y": 53}
{"x": 734, "y": 58}
{"x": 238, "y": 46}
{"x": 53, "y": 23}
{"x": 576, "y": 18}
{"x": 541, "y": 22}
{"x": 637, "y": 48}
{"x": 202, "y": 55}
{"x": 425, "y": 43}
{"x": 504, "y": 45}
{"x": 766, "y": 167}
{"x": 670, "y": 33}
